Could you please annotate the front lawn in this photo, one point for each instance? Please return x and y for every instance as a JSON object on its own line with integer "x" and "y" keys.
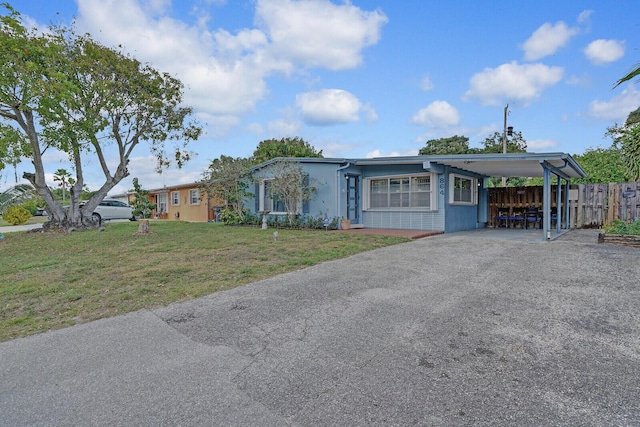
{"x": 49, "y": 281}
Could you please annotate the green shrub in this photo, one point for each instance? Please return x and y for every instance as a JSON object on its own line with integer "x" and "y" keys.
{"x": 230, "y": 217}
{"x": 252, "y": 219}
{"x": 31, "y": 206}
{"x": 621, "y": 227}
{"x": 301, "y": 222}
{"x": 16, "y": 215}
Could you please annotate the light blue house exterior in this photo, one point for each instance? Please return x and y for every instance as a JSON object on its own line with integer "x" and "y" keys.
{"x": 439, "y": 193}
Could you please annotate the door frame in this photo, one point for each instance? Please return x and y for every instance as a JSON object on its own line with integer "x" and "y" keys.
{"x": 353, "y": 197}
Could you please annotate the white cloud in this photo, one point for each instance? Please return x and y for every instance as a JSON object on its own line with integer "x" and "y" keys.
{"x": 156, "y": 7}
{"x": 143, "y": 168}
{"x": 618, "y": 108}
{"x": 378, "y": 153}
{"x": 584, "y": 81}
{"x": 540, "y": 144}
{"x": 437, "y": 114}
{"x": 547, "y": 40}
{"x": 585, "y": 16}
{"x": 370, "y": 114}
{"x": 426, "y": 84}
{"x": 513, "y": 82}
{"x": 319, "y": 33}
{"x": 255, "y": 128}
{"x": 328, "y": 107}
{"x": 334, "y": 149}
{"x": 604, "y": 51}
{"x": 282, "y": 128}
{"x": 224, "y": 73}
{"x": 217, "y": 125}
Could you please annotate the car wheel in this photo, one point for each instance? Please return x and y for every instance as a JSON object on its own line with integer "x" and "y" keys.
{"x": 133, "y": 218}
{"x": 97, "y": 218}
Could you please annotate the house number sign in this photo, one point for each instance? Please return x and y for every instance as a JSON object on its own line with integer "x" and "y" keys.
{"x": 441, "y": 185}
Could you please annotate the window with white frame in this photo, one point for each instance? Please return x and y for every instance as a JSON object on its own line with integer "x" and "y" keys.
{"x": 269, "y": 201}
{"x": 400, "y": 192}
{"x": 194, "y": 197}
{"x": 463, "y": 190}
{"x": 161, "y": 203}
{"x": 175, "y": 198}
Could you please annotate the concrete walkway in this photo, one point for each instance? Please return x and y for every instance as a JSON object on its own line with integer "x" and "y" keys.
{"x": 442, "y": 331}
{"x": 17, "y": 228}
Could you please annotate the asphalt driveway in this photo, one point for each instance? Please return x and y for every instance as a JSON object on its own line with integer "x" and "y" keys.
{"x": 456, "y": 329}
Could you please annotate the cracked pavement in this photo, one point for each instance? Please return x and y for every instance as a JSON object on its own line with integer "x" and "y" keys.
{"x": 456, "y": 329}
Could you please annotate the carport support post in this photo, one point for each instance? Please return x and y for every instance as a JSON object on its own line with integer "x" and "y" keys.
{"x": 558, "y": 206}
{"x": 566, "y": 204}
{"x": 546, "y": 204}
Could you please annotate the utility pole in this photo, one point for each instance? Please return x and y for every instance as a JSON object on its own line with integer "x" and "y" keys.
{"x": 504, "y": 140}
{"x": 504, "y": 132}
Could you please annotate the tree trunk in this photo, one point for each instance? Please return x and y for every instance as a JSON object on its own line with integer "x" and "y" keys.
{"x": 143, "y": 228}
{"x": 67, "y": 224}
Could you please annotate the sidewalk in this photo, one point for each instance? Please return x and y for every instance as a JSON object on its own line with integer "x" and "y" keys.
{"x": 16, "y": 228}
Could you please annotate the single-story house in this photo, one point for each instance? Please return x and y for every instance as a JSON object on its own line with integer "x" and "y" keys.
{"x": 443, "y": 192}
{"x": 184, "y": 202}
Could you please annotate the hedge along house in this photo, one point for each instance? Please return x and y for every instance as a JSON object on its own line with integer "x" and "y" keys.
{"x": 441, "y": 193}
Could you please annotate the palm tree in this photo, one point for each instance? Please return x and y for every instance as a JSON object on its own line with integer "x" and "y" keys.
{"x": 628, "y": 135}
{"x": 634, "y": 73}
{"x": 64, "y": 177}
{"x": 15, "y": 195}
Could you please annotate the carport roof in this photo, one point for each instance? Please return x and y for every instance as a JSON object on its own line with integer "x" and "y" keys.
{"x": 510, "y": 164}
{"x": 513, "y": 164}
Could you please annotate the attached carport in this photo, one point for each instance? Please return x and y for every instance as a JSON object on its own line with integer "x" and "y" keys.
{"x": 562, "y": 165}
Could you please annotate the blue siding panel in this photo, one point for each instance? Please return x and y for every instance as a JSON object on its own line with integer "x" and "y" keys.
{"x": 404, "y": 220}
{"x": 460, "y": 218}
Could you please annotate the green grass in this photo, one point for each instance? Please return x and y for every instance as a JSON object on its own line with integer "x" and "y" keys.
{"x": 49, "y": 281}
{"x": 621, "y": 227}
{"x": 32, "y": 220}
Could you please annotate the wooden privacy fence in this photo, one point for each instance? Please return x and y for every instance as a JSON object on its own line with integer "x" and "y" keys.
{"x": 511, "y": 198}
{"x": 596, "y": 205}
{"x": 590, "y": 205}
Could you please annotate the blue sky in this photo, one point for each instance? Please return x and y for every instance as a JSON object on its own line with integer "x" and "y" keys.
{"x": 369, "y": 78}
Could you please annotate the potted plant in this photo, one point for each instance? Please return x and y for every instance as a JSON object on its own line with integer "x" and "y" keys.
{"x": 345, "y": 224}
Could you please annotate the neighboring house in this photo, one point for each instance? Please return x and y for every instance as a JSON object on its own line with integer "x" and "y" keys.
{"x": 184, "y": 202}
{"x": 443, "y": 193}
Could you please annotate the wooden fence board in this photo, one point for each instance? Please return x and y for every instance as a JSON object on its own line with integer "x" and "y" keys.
{"x": 580, "y": 214}
{"x": 601, "y": 204}
{"x": 614, "y": 202}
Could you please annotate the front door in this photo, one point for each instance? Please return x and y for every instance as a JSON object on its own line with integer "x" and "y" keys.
{"x": 353, "y": 198}
{"x": 161, "y": 204}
